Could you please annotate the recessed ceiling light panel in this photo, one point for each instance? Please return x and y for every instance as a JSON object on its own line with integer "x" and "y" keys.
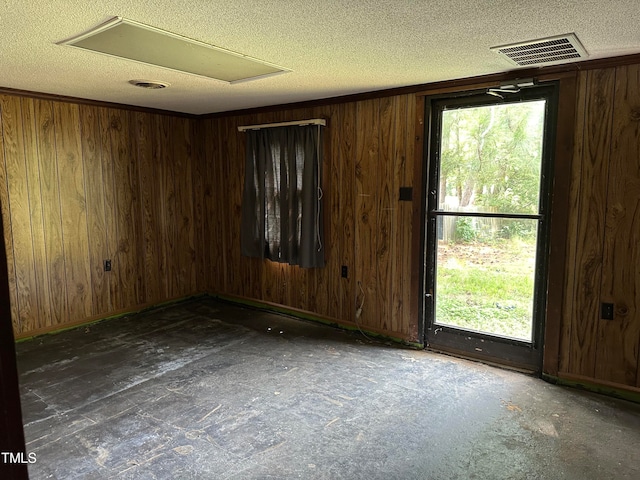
{"x": 131, "y": 40}
{"x": 545, "y": 51}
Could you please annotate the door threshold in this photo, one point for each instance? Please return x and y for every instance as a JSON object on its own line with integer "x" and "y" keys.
{"x": 491, "y": 361}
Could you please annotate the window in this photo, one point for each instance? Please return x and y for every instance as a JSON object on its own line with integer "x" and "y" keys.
{"x": 282, "y": 198}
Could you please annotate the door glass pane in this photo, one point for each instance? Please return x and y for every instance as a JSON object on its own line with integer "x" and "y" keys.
{"x": 490, "y": 158}
{"x": 485, "y": 275}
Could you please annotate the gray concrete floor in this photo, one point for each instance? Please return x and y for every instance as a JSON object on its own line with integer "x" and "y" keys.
{"x": 205, "y": 390}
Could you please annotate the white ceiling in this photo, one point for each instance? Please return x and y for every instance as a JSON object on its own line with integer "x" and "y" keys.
{"x": 333, "y": 47}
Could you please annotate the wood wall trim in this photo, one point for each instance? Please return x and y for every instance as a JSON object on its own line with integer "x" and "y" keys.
{"x": 418, "y": 221}
{"x": 542, "y": 74}
{"x": 559, "y": 217}
{"x": 553, "y": 72}
{"x": 87, "y": 101}
{"x": 590, "y": 382}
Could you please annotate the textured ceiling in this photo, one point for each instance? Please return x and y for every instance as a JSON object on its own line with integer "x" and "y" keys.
{"x": 332, "y": 47}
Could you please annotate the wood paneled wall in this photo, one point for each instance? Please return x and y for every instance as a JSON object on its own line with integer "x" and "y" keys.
{"x": 82, "y": 184}
{"x": 160, "y": 196}
{"x": 603, "y": 248}
{"x": 369, "y": 155}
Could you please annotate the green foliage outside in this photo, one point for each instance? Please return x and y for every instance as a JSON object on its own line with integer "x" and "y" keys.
{"x": 487, "y": 292}
{"x": 490, "y": 162}
{"x": 465, "y": 232}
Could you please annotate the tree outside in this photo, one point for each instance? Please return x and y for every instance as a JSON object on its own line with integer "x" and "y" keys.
{"x": 490, "y": 162}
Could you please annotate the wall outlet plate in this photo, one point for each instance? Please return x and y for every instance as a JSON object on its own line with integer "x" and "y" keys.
{"x": 406, "y": 194}
{"x": 606, "y": 311}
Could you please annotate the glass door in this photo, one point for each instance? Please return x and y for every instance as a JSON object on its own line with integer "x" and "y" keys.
{"x": 486, "y": 235}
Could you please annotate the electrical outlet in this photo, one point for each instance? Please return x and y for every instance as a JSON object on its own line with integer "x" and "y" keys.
{"x": 107, "y": 265}
{"x": 606, "y": 311}
{"x": 344, "y": 272}
{"x": 406, "y": 194}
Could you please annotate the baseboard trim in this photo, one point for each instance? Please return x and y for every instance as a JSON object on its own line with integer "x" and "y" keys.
{"x": 610, "y": 389}
{"x": 53, "y": 329}
{"x": 396, "y": 337}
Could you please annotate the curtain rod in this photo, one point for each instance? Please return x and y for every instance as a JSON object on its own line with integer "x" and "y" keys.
{"x": 313, "y": 121}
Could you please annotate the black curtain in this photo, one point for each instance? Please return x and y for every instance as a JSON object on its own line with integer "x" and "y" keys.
{"x": 281, "y": 204}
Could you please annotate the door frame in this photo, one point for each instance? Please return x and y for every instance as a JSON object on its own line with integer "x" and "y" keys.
{"x": 509, "y": 352}
{"x": 11, "y": 432}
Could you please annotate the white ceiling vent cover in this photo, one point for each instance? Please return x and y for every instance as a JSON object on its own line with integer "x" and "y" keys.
{"x": 545, "y": 51}
{"x": 122, "y": 38}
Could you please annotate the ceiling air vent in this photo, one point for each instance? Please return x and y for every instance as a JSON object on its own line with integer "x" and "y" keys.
{"x": 545, "y": 51}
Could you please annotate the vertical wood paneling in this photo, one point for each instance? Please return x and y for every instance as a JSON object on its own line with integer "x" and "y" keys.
{"x": 94, "y": 182}
{"x": 82, "y": 184}
{"x": 168, "y": 203}
{"x": 406, "y": 233}
{"x": 150, "y": 208}
{"x": 214, "y": 211}
{"x": 366, "y": 190}
{"x": 386, "y": 206}
{"x": 42, "y": 292}
{"x": 346, "y": 227}
{"x": 200, "y": 178}
{"x": 243, "y": 267}
{"x": 185, "y": 253}
{"x": 573, "y": 222}
{"x": 334, "y": 208}
{"x": 417, "y": 145}
{"x": 400, "y": 240}
{"x": 562, "y": 201}
{"x": 591, "y": 217}
{"x": 51, "y": 211}
{"x": 140, "y": 210}
{"x": 161, "y": 234}
{"x": 110, "y": 207}
{"x": 6, "y": 215}
{"x": 128, "y": 261}
{"x": 73, "y": 205}
{"x": 232, "y": 172}
{"x": 617, "y": 340}
{"x": 20, "y": 213}
{"x": 134, "y": 210}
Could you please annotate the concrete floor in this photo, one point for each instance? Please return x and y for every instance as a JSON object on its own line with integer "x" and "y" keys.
{"x": 204, "y": 390}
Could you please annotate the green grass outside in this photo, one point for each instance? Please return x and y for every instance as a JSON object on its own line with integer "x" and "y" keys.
{"x": 487, "y": 287}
